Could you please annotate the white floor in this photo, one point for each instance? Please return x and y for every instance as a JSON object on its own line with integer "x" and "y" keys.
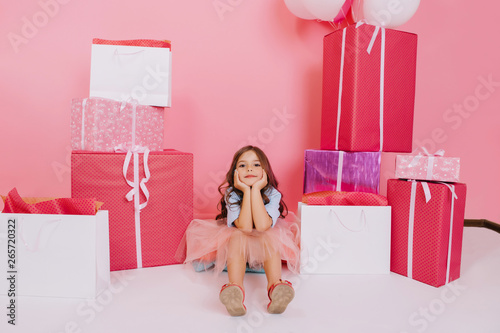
{"x": 175, "y": 299}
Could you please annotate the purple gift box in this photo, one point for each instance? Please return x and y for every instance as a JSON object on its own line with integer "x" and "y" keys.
{"x": 358, "y": 171}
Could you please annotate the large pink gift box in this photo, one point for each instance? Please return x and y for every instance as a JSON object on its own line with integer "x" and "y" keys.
{"x": 437, "y": 168}
{"x": 368, "y": 89}
{"x": 149, "y": 211}
{"x": 101, "y": 124}
{"x": 426, "y": 237}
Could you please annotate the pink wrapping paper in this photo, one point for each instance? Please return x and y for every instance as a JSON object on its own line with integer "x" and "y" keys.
{"x": 359, "y": 172}
{"x": 333, "y": 198}
{"x": 100, "y": 124}
{"x": 430, "y": 248}
{"x": 437, "y": 168}
{"x": 67, "y": 206}
{"x": 356, "y": 76}
{"x": 134, "y": 42}
{"x": 166, "y": 216}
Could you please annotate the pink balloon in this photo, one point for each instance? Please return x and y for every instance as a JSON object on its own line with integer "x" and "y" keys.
{"x": 296, "y": 7}
{"x": 343, "y": 11}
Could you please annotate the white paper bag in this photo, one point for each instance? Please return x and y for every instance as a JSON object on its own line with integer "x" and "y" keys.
{"x": 132, "y": 71}
{"x": 56, "y": 255}
{"x": 345, "y": 239}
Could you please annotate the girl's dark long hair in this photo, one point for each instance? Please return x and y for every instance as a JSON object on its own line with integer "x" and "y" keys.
{"x": 227, "y": 187}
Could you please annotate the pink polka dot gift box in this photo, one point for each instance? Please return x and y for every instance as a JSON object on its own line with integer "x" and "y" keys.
{"x": 427, "y": 228}
{"x": 149, "y": 196}
{"x": 368, "y": 89}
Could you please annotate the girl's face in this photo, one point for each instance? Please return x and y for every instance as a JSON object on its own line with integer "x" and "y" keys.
{"x": 249, "y": 168}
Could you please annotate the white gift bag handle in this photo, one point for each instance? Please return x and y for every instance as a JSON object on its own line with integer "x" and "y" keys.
{"x": 34, "y": 246}
{"x": 118, "y": 53}
{"x": 363, "y": 227}
{"x": 117, "y": 56}
{"x": 122, "y": 59}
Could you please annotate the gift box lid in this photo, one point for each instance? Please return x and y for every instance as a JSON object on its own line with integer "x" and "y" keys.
{"x": 366, "y": 26}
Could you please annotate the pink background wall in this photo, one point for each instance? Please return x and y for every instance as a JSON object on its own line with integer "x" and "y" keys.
{"x": 251, "y": 74}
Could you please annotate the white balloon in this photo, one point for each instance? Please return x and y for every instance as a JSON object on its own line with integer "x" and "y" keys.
{"x": 325, "y": 10}
{"x": 297, "y": 8}
{"x": 357, "y": 10}
{"x": 389, "y": 13}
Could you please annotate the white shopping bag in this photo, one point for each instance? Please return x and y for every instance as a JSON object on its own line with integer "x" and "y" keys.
{"x": 345, "y": 239}
{"x": 54, "y": 255}
{"x": 138, "y": 70}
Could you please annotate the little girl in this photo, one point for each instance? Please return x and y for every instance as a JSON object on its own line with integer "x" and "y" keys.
{"x": 250, "y": 229}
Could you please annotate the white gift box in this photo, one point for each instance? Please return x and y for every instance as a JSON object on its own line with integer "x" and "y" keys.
{"x": 345, "y": 239}
{"x": 131, "y": 71}
{"x": 54, "y": 255}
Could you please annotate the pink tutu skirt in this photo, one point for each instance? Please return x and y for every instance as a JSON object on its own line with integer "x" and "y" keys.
{"x": 206, "y": 244}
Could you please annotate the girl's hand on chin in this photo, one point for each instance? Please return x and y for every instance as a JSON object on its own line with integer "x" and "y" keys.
{"x": 238, "y": 183}
{"x": 261, "y": 183}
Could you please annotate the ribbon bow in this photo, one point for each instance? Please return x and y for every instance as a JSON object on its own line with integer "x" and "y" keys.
{"x": 374, "y": 35}
{"x": 438, "y": 153}
{"x": 134, "y": 193}
{"x": 134, "y": 103}
{"x": 430, "y": 160}
{"x": 135, "y": 184}
{"x": 135, "y": 150}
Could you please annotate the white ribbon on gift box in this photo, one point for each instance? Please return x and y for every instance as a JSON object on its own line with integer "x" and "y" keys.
{"x": 338, "y": 187}
{"x": 134, "y": 193}
{"x": 382, "y": 67}
{"x": 411, "y": 224}
{"x": 430, "y": 160}
{"x": 84, "y": 105}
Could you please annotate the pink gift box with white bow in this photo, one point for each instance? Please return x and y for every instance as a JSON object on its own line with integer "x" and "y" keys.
{"x": 368, "y": 89}
{"x": 434, "y": 167}
{"x": 427, "y": 229}
{"x": 149, "y": 196}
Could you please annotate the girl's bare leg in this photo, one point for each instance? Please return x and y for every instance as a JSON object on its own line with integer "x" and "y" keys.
{"x": 236, "y": 263}
{"x": 283, "y": 292}
{"x": 232, "y": 296}
{"x": 272, "y": 267}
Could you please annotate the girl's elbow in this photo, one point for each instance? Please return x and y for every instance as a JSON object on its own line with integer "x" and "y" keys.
{"x": 264, "y": 226}
{"x": 246, "y": 230}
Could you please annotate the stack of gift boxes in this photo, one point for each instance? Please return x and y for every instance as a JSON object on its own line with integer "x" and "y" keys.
{"x": 118, "y": 156}
{"x": 428, "y": 207}
{"x": 367, "y": 108}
